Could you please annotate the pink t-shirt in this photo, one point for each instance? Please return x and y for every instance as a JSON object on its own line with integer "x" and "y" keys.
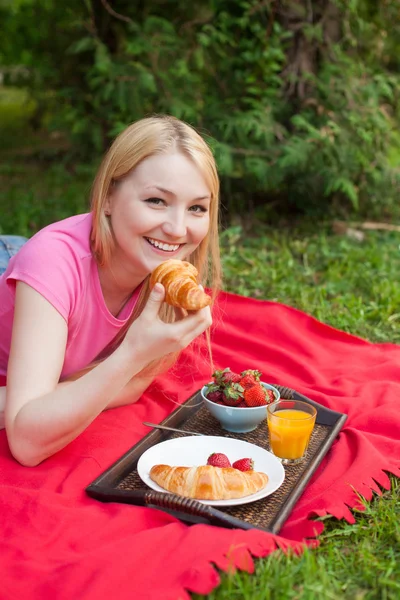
{"x": 57, "y": 263}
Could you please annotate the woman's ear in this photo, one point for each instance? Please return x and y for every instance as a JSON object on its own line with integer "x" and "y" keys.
{"x": 107, "y": 207}
{"x": 108, "y": 203}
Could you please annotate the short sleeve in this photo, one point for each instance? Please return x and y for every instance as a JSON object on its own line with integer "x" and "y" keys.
{"x": 48, "y": 263}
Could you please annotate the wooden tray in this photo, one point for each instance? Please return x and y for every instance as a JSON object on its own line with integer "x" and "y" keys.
{"x": 121, "y": 482}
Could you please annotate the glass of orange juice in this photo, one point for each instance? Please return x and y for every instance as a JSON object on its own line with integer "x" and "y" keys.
{"x": 290, "y": 424}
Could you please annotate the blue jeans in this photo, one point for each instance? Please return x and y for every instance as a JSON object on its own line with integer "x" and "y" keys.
{"x": 9, "y": 245}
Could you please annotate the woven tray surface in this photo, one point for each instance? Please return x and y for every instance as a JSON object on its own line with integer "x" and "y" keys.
{"x": 262, "y": 512}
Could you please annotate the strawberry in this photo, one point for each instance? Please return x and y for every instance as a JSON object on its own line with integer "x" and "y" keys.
{"x": 255, "y": 396}
{"x": 249, "y": 378}
{"x": 234, "y": 402}
{"x": 244, "y": 464}
{"x": 232, "y": 394}
{"x": 216, "y": 396}
{"x": 231, "y": 378}
{"x": 212, "y": 387}
{"x": 217, "y": 459}
{"x": 226, "y": 377}
{"x": 269, "y": 396}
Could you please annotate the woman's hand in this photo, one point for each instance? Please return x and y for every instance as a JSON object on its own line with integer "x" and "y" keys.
{"x": 151, "y": 339}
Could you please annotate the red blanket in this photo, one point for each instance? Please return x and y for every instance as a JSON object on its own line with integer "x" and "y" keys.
{"x": 56, "y": 542}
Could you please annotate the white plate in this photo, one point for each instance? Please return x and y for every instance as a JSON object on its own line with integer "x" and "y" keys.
{"x": 194, "y": 451}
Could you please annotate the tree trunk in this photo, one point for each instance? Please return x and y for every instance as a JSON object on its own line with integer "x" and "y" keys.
{"x": 315, "y": 25}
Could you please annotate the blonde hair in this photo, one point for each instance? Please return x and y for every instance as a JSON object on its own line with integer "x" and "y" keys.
{"x": 145, "y": 138}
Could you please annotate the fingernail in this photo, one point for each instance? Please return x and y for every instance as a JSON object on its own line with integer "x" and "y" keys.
{"x": 157, "y": 290}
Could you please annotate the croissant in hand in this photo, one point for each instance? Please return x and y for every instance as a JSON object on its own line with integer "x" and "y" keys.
{"x": 179, "y": 279}
{"x": 207, "y": 482}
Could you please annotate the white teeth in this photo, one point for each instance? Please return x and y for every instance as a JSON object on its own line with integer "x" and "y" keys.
{"x": 162, "y": 246}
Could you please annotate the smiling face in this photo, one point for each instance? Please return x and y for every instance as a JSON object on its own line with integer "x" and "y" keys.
{"x": 159, "y": 211}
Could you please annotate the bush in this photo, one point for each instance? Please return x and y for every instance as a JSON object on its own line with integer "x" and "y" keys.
{"x": 299, "y": 98}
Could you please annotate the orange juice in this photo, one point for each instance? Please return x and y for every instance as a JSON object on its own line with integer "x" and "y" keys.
{"x": 289, "y": 432}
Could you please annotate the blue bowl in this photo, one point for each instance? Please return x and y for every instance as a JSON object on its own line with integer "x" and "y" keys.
{"x": 238, "y": 420}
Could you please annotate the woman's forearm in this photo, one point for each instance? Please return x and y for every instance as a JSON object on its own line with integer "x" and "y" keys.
{"x": 47, "y": 424}
{"x": 129, "y": 394}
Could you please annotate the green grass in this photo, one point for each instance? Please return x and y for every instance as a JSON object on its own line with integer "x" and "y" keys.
{"x": 354, "y": 562}
{"x": 349, "y": 284}
{"x": 16, "y": 109}
{"x": 34, "y": 194}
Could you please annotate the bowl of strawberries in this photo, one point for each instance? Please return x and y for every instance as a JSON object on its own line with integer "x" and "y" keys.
{"x": 238, "y": 400}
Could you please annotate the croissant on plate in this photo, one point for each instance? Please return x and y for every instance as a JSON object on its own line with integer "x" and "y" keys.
{"x": 207, "y": 482}
{"x": 179, "y": 279}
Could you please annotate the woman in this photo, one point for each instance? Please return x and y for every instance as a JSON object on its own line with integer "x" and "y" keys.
{"x": 79, "y": 330}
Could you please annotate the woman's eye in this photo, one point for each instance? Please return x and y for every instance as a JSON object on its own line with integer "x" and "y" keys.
{"x": 155, "y": 201}
{"x": 198, "y": 208}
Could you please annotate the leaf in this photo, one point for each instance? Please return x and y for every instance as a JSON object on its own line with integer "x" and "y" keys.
{"x": 83, "y": 45}
{"x": 347, "y": 188}
{"x": 103, "y": 61}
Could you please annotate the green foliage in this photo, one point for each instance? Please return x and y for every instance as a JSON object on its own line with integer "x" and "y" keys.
{"x": 300, "y": 100}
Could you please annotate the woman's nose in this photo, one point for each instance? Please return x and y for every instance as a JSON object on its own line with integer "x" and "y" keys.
{"x": 175, "y": 225}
